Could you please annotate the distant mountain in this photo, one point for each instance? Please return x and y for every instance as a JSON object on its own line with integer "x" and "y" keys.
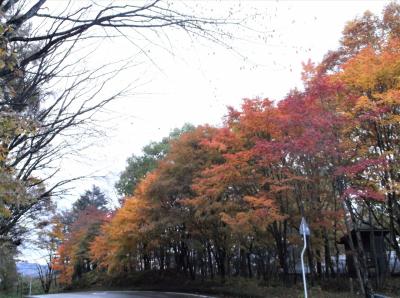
{"x": 28, "y": 269}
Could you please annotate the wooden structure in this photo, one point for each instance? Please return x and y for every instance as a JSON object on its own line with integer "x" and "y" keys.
{"x": 373, "y": 242}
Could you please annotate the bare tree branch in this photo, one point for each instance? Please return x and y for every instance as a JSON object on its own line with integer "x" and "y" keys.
{"x": 35, "y": 59}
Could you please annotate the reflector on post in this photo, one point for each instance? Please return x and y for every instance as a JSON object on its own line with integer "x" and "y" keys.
{"x": 304, "y": 229}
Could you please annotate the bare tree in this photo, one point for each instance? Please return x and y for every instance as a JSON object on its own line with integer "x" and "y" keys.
{"x": 48, "y": 241}
{"x": 37, "y": 124}
{"x": 46, "y": 276}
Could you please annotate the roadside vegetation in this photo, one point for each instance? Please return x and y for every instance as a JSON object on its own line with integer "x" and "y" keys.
{"x": 22, "y": 286}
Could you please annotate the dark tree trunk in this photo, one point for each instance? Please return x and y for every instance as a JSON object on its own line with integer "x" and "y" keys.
{"x": 359, "y": 257}
{"x": 210, "y": 261}
{"x": 250, "y": 272}
{"x": 329, "y": 271}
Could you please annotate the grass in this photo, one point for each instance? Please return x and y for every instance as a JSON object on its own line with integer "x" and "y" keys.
{"x": 21, "y": 288}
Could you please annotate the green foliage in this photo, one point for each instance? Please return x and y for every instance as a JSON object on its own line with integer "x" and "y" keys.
{"x": 21, "y": 288}
{"x": 8, "y": 270}
{"x": 91, "y": 198}
{"x": 139, "y": 166}
{"x": 13, "y": 191}
{"x": 135, "y": 171}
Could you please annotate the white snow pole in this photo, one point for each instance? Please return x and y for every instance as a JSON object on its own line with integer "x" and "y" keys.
{"x": 304, "y": 230}
{"x": 30, "y": 287}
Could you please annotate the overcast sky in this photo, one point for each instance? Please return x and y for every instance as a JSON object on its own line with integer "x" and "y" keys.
{"x": 181, "y": 80}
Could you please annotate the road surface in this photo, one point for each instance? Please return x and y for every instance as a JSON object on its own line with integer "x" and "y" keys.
{"x": 122, "y": 294}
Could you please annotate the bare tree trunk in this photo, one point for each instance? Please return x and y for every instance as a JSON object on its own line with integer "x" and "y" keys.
{"x": 210, "y": 261}
{"x": 358, "y": 253}
{"x": 329, "y": 271}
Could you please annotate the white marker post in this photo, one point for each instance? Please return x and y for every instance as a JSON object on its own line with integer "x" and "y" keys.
{"x": 30, "y": 287}
{"x": 305, "y": 231}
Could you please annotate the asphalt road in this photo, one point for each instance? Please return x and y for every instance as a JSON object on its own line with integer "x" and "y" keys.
{"x": 122, "y": 294}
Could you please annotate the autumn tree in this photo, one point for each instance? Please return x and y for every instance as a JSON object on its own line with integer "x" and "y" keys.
{"x": 49, "y": 238}
{"x": 160, "y": 226}
{"x": 8, "y": 269}
{"x": 87, "y": 215}
{"x": 230, "y": 193}
{"x": 123, "y": 244}
{"x": 367, "y": 69}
